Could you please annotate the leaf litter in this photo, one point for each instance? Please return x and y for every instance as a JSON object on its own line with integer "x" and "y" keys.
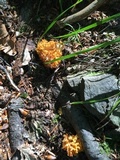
{"x": 44, "y": 125}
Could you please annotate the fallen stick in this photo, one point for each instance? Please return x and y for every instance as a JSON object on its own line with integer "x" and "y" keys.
{"x": 9, "y": 78}
{"x": 16, "y": 128}
{"x": 81, "y": 14}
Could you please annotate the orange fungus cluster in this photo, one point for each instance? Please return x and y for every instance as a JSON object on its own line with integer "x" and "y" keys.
{"x": 72, "y": 144}
{"x": 49, "y": 50}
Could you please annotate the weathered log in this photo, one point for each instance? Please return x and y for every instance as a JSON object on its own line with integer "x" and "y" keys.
{"x": 76, "y": 117}
{"x": 80, "y": 124}
{"x": 17, "y": 131}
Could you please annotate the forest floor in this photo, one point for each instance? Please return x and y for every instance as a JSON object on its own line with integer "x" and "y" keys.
{"x": 42, "y": 119}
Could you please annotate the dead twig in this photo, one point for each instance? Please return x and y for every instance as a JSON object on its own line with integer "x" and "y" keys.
{"x": 9, "y": 78}
{"x": 81, "y": 14}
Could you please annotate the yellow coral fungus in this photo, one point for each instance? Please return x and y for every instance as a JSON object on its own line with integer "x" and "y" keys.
{"x": 49, "y": 50}
{"x": 72, "y": 144}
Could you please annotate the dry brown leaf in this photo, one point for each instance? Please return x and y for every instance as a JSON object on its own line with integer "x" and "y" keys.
{"x": 3, "y": 31}
{"x": 7, "y": 44}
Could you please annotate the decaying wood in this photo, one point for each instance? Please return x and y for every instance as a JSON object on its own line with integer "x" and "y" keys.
{"x": 16, "y": 129}
{"x": 75, "y": 115}
{"x": 81, "y": 14}
{"x": 83, "y": 130}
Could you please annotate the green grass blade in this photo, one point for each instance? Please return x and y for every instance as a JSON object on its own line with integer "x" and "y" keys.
{"x": 98, "y": 100}
{"x": 90, "y": 26}
{"x": 60, "y": 3}
{"x": 55, "y": 20}
{"x": 113, "y": 108}
{"x": 101, "y": 45}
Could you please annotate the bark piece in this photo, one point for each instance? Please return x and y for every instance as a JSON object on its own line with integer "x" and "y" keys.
{"x": 16, "y": 129}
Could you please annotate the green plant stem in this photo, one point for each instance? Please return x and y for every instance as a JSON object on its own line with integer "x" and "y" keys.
{"x": 105, "y": 20}
{"x": 98, "y": 100}
{"x": 101, "y": 45}
{"x": 60, "y": 15}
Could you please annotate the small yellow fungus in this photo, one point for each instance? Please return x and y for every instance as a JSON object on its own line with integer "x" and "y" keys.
{"x": 72, "y": 144}
{"x": 49, "y": 50}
